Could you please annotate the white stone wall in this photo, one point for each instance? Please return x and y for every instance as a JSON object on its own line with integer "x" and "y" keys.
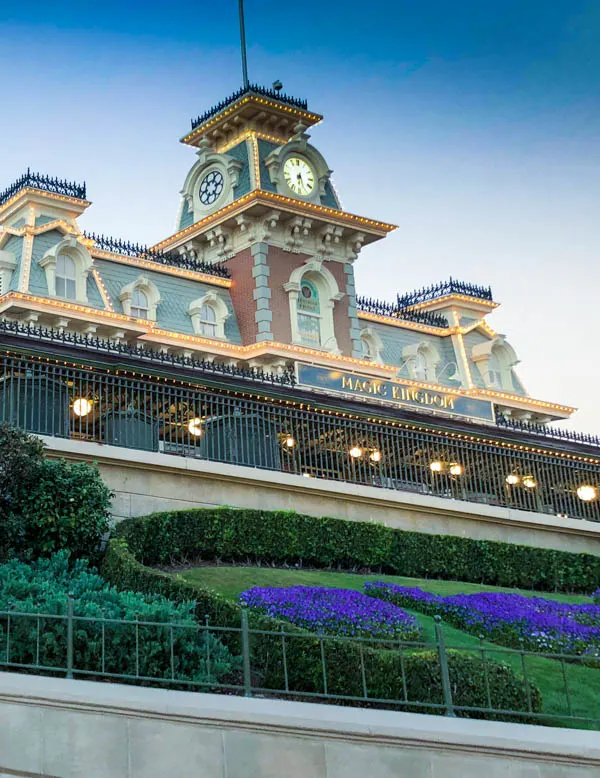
{"x": 81, "y": 729}
{"x": 145, "y": 482}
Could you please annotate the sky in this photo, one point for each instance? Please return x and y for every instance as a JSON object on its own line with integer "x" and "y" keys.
{"x": 474, "y": 126}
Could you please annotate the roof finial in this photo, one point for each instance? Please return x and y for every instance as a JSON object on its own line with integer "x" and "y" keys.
{"x": 243, "y": 46}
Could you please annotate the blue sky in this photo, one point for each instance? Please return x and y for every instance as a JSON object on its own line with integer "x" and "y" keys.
{"x": 474, "y": 126}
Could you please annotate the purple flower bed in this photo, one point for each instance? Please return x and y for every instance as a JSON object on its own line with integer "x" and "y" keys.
{"x": 333, "y": 611}
{"x": 534, "y": 623}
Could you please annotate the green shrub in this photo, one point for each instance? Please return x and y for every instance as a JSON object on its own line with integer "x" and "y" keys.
{"x": 280, "y": 538}
{"x": 413, "y": 677}
{"x": 48, "y": 505}
{"x": 21, "y": 456}
{"x": 121, "y": 648}
{"x": 344, "y": 659}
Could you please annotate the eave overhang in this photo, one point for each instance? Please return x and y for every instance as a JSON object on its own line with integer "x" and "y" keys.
{"x": 259, "y": 203}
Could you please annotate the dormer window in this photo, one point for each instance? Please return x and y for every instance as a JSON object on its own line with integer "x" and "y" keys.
{"x": 207, "y": 321}
{"x": 66, "y": 277}
{"x": 371, "y": 345}
{"x": 140, "y": 299}
{"x": 139, "y": 304}
{"x": 421, "y": 360}
{"x": 208, "y": 315}
{"x": 421, "y": 366}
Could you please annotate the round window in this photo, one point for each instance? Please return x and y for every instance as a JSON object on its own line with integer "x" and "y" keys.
{"x": 211, "y": 187}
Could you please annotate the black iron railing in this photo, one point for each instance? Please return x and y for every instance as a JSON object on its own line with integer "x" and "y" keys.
{"x": 452, "y": 286}
{"x": 129, "y": 249}
{"x": 264, "y": 663}
{"x": 381, "y": 308}
{"x": 45, "y": 184}
{"x": 252, "y": 89}
{"x": 99, "y": 345}
{"x": 230, "y": 425}
{"x": 547, "y": 432}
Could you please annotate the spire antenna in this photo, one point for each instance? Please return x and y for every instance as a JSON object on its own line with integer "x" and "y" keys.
{"x": 243, "y": 46}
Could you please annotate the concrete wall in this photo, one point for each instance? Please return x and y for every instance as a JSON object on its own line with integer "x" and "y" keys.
{"x": 80, "y": 729}
{"x": 145, "y": 482}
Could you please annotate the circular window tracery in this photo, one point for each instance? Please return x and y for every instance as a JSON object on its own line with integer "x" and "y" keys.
{"x": 211, "y": 187}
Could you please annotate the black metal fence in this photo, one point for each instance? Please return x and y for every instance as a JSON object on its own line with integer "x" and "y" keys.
{"x": 452, "y": 286}
{"x": 293, "y": 664}
{"x": 251, "y": 89}
{"x": 45, "y": 184}
{"x": 129, "y": 249}
{"x": 234, "y": 426}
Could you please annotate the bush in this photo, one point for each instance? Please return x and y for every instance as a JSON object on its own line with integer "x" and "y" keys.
{"x": 21, "y": 456}
{"x": 48, "y": 505}
{"x": 414, "y": 677}
{"x": 383, "y": 669}
{"x": 129, "y": 649}
{"x": 280, "y": 538}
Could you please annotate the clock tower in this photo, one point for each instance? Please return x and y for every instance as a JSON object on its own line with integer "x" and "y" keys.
{"x": 260, "y": 199}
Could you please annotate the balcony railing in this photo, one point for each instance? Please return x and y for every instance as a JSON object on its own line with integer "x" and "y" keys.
{"x": 182, "y": 418}
{"x": 45, "y": 184}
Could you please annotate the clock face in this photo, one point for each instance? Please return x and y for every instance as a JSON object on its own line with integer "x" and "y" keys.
{"x": 299, "y": 176}
{"x": 211, "y": 187}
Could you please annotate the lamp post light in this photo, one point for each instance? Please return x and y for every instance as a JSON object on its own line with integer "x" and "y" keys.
{"x": 195, "y": 427}
{"x": 356, "y": 452}
{"x": 587, "y": 493}
{"x": 82, "y": 406}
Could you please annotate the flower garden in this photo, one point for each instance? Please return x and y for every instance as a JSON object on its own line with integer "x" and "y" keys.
{"x": 513, "y": 620}
{"x": 341, "y": 612}
{"x": 126, "y": 611}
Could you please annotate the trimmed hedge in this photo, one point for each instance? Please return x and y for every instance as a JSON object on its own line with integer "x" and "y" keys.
{"x": 345, "y": 661}
{"x": 279, "y": 537}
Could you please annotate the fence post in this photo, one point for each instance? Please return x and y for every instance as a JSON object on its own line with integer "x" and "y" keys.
{"x": 441, "y": 646}
{"x": 70, "y": 604}
{"x": 246, "y": 654}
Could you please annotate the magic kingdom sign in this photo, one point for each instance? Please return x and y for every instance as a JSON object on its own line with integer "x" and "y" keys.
{"x": 394, "y": 392}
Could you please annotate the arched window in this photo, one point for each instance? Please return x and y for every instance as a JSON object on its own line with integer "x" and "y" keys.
{"x": 207, "y": 322}
{"x": 370, "y": 345}
{"x": 421, "y": 366}
{"x": 139, "y": 304}
{"x": 495, "y": 370}
{"x": 366, "y": 349}
{"x": 66, "y": 277}
{"x": 309, "y": 313}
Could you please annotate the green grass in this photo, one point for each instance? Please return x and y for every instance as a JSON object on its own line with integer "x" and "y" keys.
{"x": 232, "y": 581}
{"x": 548, "y": 674}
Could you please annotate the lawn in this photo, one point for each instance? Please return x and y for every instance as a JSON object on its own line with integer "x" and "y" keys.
{"x": 549, "y": 675}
